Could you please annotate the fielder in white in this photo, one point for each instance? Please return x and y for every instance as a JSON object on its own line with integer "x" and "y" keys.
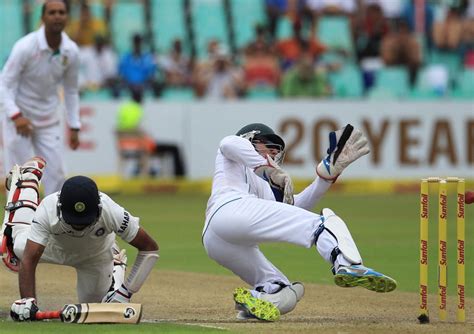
{"x": 38, "y": 65}
{"x": 74, "y": 227}
{"x": 252, "y": 202}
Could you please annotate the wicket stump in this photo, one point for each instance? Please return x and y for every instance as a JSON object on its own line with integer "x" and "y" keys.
{"x": 442, "y": 247}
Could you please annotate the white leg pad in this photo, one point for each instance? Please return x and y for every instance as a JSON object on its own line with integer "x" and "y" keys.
{"x": 22, "y": 184}
{"x": 23, "y": 196}
{"x": 22, "y": 199}
{"x": 336, "y": 234}
{"x": 12, "y": 179}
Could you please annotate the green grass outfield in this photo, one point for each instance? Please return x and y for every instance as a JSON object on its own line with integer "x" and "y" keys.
{"x": 54, "y": 327}
{"x": 385, "y": 227}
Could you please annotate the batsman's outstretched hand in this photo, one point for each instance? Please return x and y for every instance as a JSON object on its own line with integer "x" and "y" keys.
{"x": 24, "y": 309}
{"x": 121, "y": 295}
{"x": 345, "y": 146}
{"x": 277, "y": 178}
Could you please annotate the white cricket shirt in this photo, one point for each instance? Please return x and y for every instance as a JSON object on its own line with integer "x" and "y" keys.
{"x": 31, "y": 78}
{"x": 93, "y": 247}
{"x": 234, "y": 177}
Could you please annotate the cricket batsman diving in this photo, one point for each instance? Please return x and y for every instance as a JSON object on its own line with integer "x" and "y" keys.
{"x": 74, "y": 227}
{"x": 252, "y": 202}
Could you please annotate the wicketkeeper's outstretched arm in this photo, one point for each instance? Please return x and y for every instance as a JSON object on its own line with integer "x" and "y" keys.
{"x": 345, "y": 146}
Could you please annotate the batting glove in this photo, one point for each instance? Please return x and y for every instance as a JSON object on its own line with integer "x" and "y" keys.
{"x": 24, "y": 309}
{"x": 277, "y": 178}
{"x": 345, "y": 146}
{"x": 120, "y": 257}
{"x": 121, "y": 295}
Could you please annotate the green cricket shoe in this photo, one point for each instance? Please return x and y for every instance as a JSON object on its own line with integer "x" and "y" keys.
{"x": 358, "y": 275}
{"x": 258, "y": 308}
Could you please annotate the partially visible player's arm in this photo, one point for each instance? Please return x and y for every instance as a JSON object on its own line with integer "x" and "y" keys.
{"x": 146, "y": 258}
{"x": 27, "y": 272}
{"x": 278, "y": 179}
{"x": 241, "y": 150}
{"x": 310, "y": 196}
{"x": 9, "y": 82}
{"x": 144, "y": 263}
{"x": 10, "y": 78}
{"x": 346, "y": 145}
{"x": 25, "y": 309}
{"x": 143, "y": 242}
{"x": 71, "y": 100}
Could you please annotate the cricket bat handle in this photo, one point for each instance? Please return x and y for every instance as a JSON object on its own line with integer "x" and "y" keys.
{"x": 48, "y": 315}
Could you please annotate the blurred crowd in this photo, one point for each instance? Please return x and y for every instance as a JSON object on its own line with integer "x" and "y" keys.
{"x": 381, "y": 34}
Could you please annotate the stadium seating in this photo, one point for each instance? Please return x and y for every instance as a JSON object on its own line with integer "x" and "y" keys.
{"x": 449, "y": 59}
{"x": 10, "y": 25}
{"x": 390, "y": 82}
{"x": 262, "y": 93}
{"x": 168, "y": 23}
{"x": 425, "y": 88}
{"x": 177, "y": 94}
{"x": 246, "y": 15}
{"x": 128, "y": 18}
{"x": 381, "y": 94}
{"x": 465, "y": 85}
{"x": 335, "y": 32}
{"x": 96, "y": 95}
{"x": 97, "y": 8}
{"x": 284, "y": 28}
{"x": 208, "y": 22}
{"x": 207, "y": 19}
{"x": 347, "y": 82}
{"x": 36, "y": 16}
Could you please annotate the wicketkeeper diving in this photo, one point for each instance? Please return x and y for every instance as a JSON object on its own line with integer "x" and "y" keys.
{"x": 252, "y": 202}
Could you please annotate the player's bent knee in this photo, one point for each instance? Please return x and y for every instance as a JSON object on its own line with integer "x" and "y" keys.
{"x": 345, "y": 242}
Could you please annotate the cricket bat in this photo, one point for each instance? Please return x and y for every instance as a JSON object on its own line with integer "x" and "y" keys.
{"x": 95, "y": 313}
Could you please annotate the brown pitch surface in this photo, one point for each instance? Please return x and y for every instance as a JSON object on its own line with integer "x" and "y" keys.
{"x": 203, "y": 299}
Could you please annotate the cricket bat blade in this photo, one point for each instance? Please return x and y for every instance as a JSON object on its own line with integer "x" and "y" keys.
{"x": 96, "y": 313}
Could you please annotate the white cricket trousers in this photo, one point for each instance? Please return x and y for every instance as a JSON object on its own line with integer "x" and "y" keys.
{"x": 235, "y": 230}
{"x": 46, "y": 142}
{"x": 94, "y": 277}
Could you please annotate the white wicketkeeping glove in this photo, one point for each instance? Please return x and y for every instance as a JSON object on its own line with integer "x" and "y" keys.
{"x": 121, "y": 295}
{"x": 24, "y": 309}
{"x": 277, "y": 178}
{"x": 345, "y": 146}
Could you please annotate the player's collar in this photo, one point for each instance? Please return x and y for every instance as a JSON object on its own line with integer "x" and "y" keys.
{"x": 43, "y": 43}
